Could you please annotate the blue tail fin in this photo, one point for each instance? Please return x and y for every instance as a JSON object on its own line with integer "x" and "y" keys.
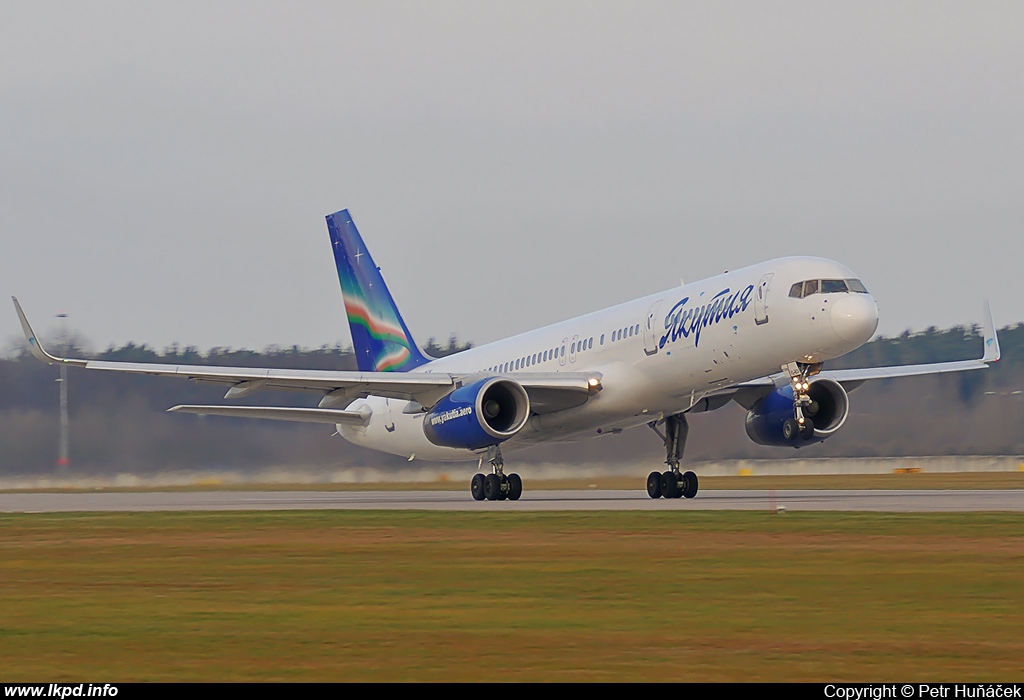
{"x": 381, "y": 339}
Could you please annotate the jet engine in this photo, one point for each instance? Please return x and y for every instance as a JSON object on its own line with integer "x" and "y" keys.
{"x": 766, "y": 422}
{"x": 477, "y": 415}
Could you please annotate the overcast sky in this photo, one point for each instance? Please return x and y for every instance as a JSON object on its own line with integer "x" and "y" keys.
{"x": 166, "y": 167}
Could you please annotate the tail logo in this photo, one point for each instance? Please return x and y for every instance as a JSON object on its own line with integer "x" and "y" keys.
{"x": 381, "y": 339}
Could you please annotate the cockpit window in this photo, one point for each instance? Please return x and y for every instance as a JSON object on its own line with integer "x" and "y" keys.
{"x": 809, "y": 287}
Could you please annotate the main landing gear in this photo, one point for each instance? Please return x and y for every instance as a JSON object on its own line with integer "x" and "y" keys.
{"x": 496, "y": 486}
{"x": 804, "y": 407}
{"x": 672, "y": 484}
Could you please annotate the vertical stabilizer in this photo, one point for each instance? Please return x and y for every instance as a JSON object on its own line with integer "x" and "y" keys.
{"x": 381, "y": 339}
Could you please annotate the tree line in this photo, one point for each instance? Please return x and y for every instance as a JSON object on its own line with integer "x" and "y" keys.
{"x": 119, "y": 422}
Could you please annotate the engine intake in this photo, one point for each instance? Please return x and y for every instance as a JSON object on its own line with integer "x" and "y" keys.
{"x": 477, "y": 415}
{"x": 830, "y": 405}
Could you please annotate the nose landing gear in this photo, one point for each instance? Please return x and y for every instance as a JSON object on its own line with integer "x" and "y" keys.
{"x": 804, "y": 407}
{"x": 672, "y": 483}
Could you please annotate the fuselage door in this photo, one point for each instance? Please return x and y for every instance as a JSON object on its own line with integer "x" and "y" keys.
{"x": 761, "y": 300}
{"x": 651, "y": 328}
{"x": 561, "y": 352}
{"x": 572, "y": 348}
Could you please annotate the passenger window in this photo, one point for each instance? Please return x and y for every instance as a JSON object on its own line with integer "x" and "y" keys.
{"x": 797, "y": 290}
{"x": 810, "y": 287}
{"x": 602, "y": 339}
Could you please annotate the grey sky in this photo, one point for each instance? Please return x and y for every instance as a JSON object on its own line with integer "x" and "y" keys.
{"x": 165, "y": 169}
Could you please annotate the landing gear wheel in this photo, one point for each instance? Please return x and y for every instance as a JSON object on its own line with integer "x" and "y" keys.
{"x": 476, "y": 487}
{"x": 503, "y": 490}
{"x": 492, "y": 487}
{"x": 670, "y": 484}
{"x": 689, "y": 485}
{"x": 807, "y": 429}
{"x": 515, "y": 487}
{"x": 654, "y": 484}
{"x": 790, "y": 429}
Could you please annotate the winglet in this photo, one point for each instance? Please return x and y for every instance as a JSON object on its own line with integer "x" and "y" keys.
{"x": 33, "y": 342}
{"x": 991, "y": 339}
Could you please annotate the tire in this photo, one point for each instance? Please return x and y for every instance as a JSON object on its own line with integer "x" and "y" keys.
{"x": 654, "y": 484}
{"x": 476, "y": 487}
{"x": 515, "y": 487}
{"x": 492, "y": 487}
{"x": 669, "y": 485}
{"x": 790, "y": 429}
{"x": 807, "y": 430}
{"x": 689, "y": 485}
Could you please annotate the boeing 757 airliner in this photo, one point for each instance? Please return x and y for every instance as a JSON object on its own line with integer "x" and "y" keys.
{"x": 759, "y": 336}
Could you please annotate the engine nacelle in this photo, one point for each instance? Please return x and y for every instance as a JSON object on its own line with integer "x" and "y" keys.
{"x": 478, "y": 415}
{"x": 828, "y": 411}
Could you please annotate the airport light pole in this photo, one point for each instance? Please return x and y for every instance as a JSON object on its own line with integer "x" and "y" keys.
{"x": 63, "y": 447}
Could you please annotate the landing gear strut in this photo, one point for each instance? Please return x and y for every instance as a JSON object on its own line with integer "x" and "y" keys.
{"x": 496, "y": 486}
{"x": 804, "y": 407}
{"x": 672, "y": 484}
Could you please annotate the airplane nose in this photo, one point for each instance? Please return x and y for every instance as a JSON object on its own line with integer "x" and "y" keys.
{"x": 855, "y": 318}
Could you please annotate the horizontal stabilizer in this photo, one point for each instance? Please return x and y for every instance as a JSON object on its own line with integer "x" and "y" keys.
{"x": 300, "y": 415}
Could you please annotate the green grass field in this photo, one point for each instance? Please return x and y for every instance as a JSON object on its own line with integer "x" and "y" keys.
{"x": 386, "y": 596}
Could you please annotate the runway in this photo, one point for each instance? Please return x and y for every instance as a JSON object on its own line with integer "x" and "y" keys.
{"x": 909, "y": 501}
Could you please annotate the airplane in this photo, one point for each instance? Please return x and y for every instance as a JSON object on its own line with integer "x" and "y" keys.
{"x": 758, "y": 336}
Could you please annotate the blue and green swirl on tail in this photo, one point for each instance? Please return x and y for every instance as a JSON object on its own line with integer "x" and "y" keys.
{"x": 381, "y": 339}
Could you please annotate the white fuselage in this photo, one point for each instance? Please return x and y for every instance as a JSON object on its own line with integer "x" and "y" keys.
{"x": 657, "y": 355}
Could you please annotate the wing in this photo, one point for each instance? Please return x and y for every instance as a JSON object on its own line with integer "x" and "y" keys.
{"x": 548, "y": 392}
{"x": 748, "y": 393}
